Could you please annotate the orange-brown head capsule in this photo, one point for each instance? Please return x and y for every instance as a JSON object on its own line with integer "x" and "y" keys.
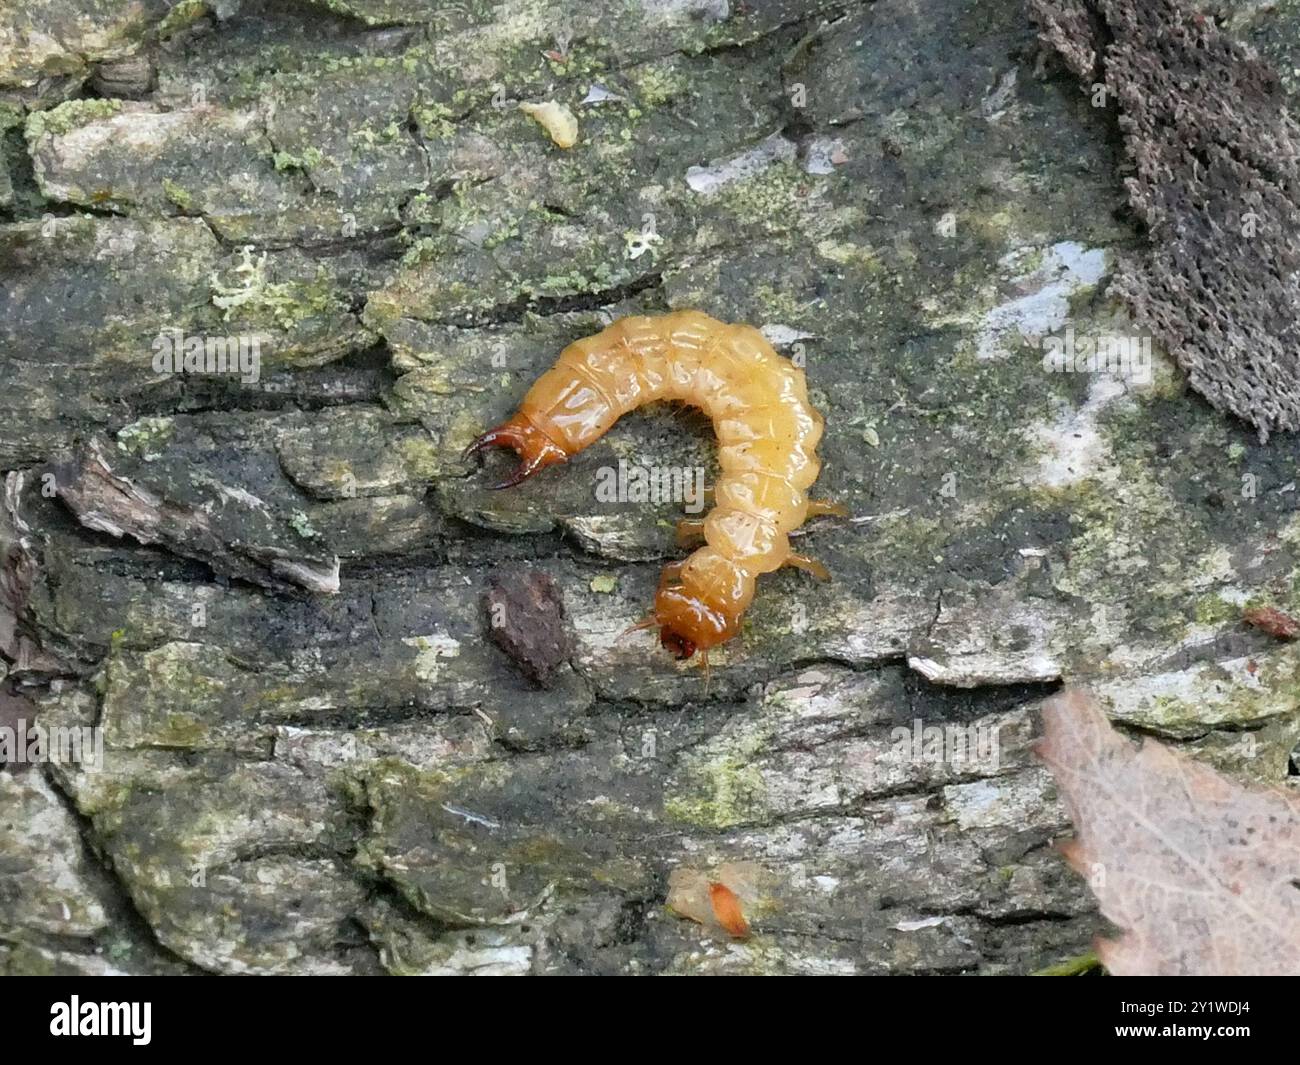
{"x": 675, "y": 644}
{"x": 688, "y": 623}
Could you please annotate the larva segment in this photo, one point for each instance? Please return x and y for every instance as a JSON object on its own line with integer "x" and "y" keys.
{"x": 767, "y": 441}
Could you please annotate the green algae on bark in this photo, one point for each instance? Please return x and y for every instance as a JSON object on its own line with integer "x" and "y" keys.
{"x": 359, "y": 782}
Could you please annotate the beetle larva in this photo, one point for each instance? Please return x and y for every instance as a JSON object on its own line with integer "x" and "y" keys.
{"x": 767, "y": 438}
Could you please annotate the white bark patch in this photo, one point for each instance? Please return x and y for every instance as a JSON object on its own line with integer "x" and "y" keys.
{"x": 707, "y": 180}
{"x": 1044, "y": 305}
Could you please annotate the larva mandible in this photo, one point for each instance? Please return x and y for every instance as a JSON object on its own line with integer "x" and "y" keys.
{"x": 767, "y": 439}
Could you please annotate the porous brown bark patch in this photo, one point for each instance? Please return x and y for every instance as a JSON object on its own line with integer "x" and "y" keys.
{"x": 1215, "y": 160}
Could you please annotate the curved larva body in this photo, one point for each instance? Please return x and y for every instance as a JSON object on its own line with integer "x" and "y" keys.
{"x": 767, "y": 439}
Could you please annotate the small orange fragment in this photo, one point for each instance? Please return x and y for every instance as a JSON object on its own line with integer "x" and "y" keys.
{"x": 719, "y": 899}
{"x": 726, "y": 908}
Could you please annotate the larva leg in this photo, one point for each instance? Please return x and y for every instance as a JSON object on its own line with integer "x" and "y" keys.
{"x": 690, "y": 531}
{"x": 808, "y": 565}
{"x": 824, "y": 507}
{"x": 645, "y": 623}
{"x": 706, "y": 499}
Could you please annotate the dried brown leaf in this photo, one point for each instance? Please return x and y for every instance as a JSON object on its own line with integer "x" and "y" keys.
{"x": 525, "y": 618}
{"x": 1273, "y": 621}
{"x": 1202, "y": 873}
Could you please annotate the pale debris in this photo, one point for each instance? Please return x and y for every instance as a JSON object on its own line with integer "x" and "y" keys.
{"x": 556, "y": 119}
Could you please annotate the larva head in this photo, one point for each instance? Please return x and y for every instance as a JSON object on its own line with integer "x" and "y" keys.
{"x": 686, "y": 624}
{"x": 675, "y": 644}
{"x": 535, "y": 449}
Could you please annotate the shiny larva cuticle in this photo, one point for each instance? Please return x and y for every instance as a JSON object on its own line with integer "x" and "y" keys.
{"x": 767, "y": 439}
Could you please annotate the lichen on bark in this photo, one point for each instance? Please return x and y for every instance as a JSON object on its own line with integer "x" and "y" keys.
{"x": 266, "y": 588}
